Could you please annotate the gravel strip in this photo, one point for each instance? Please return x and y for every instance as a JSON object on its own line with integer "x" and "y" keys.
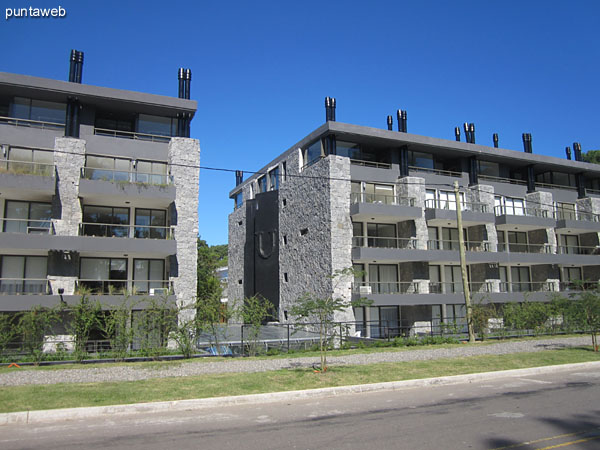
{"x": 132, "y": 373}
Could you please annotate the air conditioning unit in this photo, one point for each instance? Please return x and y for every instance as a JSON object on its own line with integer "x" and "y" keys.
{"x": 158, "y": 291}
{"x": 364, "y": 290}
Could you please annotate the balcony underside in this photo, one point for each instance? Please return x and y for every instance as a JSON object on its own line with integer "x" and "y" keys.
{"x": 577, "y": 226}
{"x": 101, "y": 192}
{"x": 27, "y": 187}
{"x": 447, "y": 217}
{"x": 523, "y": 223}
{"x": 363, "y": 212}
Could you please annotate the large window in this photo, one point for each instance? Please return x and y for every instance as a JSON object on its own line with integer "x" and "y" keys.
{"x": 509, "y": 206}
{"x": 382, "y": 235}
{"x": 151, "y": 223}
{"x": 488, "y": 168}
{"x": 262, "y": 184}
{"x": 421, "y": 160}
{"x": 148, "y": 275}
{"x": 521, "y": 280}
{"x": 157, "y": 125}
{"x": 383, "y": 278}
{"x": 38, "y": 110}
{"x": 313, "y": 152}
{"x": 379, "y": 193}
{"x": 274, "y": 179}
{"x": 565, "y": 211}
{"x": 238, "y": 200}
{"x": 105, "y": 221}
{"x": 23, "y": 274}
{"x": 27, "y": 217}
{"x": 103, "y": 275}
{"x": 121, "y": 169}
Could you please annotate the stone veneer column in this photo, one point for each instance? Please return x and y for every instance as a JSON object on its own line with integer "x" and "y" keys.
{"x": 341, "y": 231}
{"x": 184, "y": 159}
{"x": 66, "y": 207}
{"x": 414, "y": 187}
{"x": 543, "y": 201}
{"x": 589, "y": 205}
{"x": 481, "y": 193}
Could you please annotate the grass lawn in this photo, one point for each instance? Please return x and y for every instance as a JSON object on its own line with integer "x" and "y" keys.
{"x": 22, "y": 398}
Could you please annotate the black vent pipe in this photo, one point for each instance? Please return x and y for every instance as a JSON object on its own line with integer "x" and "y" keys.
{"x": 181, "y": 78}
{"x": 568, "y": 152}
{"x": 78, "y": 76}
{"x": 399, "y": 118}
{"x": 577, "y": 151}
{"x": 75, "y": 66}
{"x": 457, "y": 133}
{"x": 404, "y": 121}
{"x": 527, "y": 143}
{"x": 188, "y": 83}
{"x": 390, "y": 123}
{"x": 333, "y": 109}
{"x": 239, "y": 177}
{"x": 472, "y": 132}
{"x": 495, "y": 139}
{"x": 467, "y": 132}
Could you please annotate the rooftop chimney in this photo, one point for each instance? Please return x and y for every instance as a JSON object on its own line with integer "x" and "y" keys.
{"x": 527, "y": 143}
{"x": 568, "y": 152}
{"x": 333, "y": 109}
{"x": 457, "y": 133}
{"x": 404, "y": 129}
{"x": 495, "y": 139}
{"x": 577, "y": 151}
{"x": 390, "y": 123}
{"x": 188, "y": 83}
{"x": 239, "y": 177}
{"x": 76, "y": 66}
{"x": 181, "y": 78}
{"x": 467, "y": 132}
{"x": 472, "y": 132}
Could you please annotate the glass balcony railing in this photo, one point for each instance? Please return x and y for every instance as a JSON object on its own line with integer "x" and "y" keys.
{"x": 470, "y": 246}
{"x": 451, "y": 205}
{"x": 524, "y": 248}
{"x": 578, "y": 250}
{"x": 577, "y": 215}
{"x": 384, "y": 242}
{"x": 131, "y": 135}
{"x": 522, "y": 211}
{"x": 502, "y": 180}
{"x": 119, "y": 176}
{"x": 374, "y": 164}
{"x": 385, "y": 287}
{"x": 448, "y": 173}
{"x": 119, "y": 287}
{"x": 382, "y": 199}
{"x": 32, "y": 123}
{"x": 125, "y": 231}
{"x": 26, "y": 168}
{"x": 40, "y": 226}
{"x": 24, "y": 286}
{"x": 437, "y": 287}
{"x": 527, "y": 286}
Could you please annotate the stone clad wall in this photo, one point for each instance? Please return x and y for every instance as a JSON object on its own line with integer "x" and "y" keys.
{"x": 185, "y": 152}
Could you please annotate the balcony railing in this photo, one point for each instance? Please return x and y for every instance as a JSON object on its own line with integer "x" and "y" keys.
{"x": 24, "y": 286}
{"x": 450, "y": 205}
{"x": 577, "y": 215}
{"x": 125, "y": 231}
{"x": 357, "y": 197}
{"x": 26, "y": 168}
{"x": 527, "y": 286}
{"x": 131, "y": 135}
{"x": 437, "y": 287}
{"x": 32, "y": 123}
{"x": 448, "y": 173}
{"x": 578, "y": 285}
{"x": 502, "y": 180}
{"x": 384, "y": 242}
{"x": 26, "y": 226}
{"x": 578, "y": 250}
{"x": 555, "y": 186}
{"x": 470, "y": 246}
{"x": 521, "y": 211}
{"x": 119, "y": 287}
{"x": 524, "y": 248}
{"x": 385, "y": 287}
{"x": 374, "y": 164}
{"x": 120, "y": 176}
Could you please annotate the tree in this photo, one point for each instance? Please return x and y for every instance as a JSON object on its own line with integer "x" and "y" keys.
{"x": 35, "y": 324}
{"x": 592, "y": 156}
{"x": 582, "y": 311}
{"x": 9, "y": 331}
{"x": 209, "y": 259}
{"x": 254, "y": 312}
{"x": 83, "y": 317}
{"x": 482, "y": 313}
{"x": 117, "y": 328}
{"x": 321, "y": 310}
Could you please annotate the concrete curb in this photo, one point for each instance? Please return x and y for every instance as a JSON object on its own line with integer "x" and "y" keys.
{"x": 57, "y": 415}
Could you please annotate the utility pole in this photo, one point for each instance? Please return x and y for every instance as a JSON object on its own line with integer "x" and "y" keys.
{"x": 463, "y": 264}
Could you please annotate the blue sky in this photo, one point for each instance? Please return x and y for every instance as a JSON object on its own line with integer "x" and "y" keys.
{"x": 260, "y": 70}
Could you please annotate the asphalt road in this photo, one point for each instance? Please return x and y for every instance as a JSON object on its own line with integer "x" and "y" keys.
{"x": 542, "y": 412}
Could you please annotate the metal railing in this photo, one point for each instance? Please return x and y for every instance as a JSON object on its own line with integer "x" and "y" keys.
{"x": 527, "y": 286}
{"x": 524, "y": 248}
{"x": 24, "y": 286}
{"x": 374, "y": 164}
{"x": 555, "y": 186}
{"x": 576, "y": 215}
{"x": 470, "y": 246}
{"x": 384, "y": 242}
{"x": 578, "y": 250}
{"x": 502, "y": 180}
{"x": 522, "y": 211}
{"x": 96, "y": 173}
{"x": 26, "y": 168}
{"x": 32, "y": 123}
{"x": 357, "y": 197}
{"x": 27, "y": 226}
{"x": 125, "y": 231}
{"x": 131, "y": 135}
{"x": 438, "y": 287}
{"x": 118, "y": 287}
{"x": 385, "y": 287}
{"x": 448, "y": 173}
{"x": 432, "y": 203}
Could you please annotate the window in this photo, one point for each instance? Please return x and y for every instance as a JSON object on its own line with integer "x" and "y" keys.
{"x": 453, "y": 279}
{"x": 117, "y": 121}
{"x": 382, "y": 235}
{"x": 383, "y": 278}
{"x": 356, "y": 191}
{"x": 489, "y": 168}
{"x": 432, "y": 239}
{"x": 29, "y": 161}
{"x": 23, "y": 274}
{"x": 572, "y": 277}
{"x": 284, "y": 170}
{"x": 148, "y": 274}
{"x": 238, "y": 200}
{"x": 262, "y": 184}
{"x": 348, "y": 149}
{"x": 359, "y": 317}
{"x": 105, "y": 221}
{"x": 569, "y": 244}
{"x": 565, "y": 211}
{"x": 103, "y": 275}
{"x": 107, "y": 168}
{"x": 517, "y": 241}
{"x": 151, "y": 223}
{"x": 157, "y": 125}
{"x": 521, "y": 281}
{"x": 421, "y": 160}
{"x": 509, "y": 206}
{"x": 313, "y": 153}
{"x": 38, "y": 110}
{"x": 27, "y": 217}
{"x": 274, "y": 179}
{"x": 435, "y": 280}
{"x": 357, "y": 234}
{"x": 379, "y": 193}
{"x": 151, "y": 172}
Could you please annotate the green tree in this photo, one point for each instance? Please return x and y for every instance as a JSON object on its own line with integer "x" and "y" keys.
{"x": 254, "y": 312}
{"x": 153, "y": 325}
{"x": 209, "y": 260}
{"x": 81, "y": 320}
{"x": 582, "y": 311}
{"x": 35, "y": 325}
{"x": 592, "y": 156}
{"x": 482, "y": 313}
{"x": 321, "y": 310}
{"x": 9, "y": 331}
{"x": 117, "y": 328}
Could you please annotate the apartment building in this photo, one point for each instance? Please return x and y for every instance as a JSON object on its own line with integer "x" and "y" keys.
{"x": 98, "y": 191}
{"x": 383, "y": 202}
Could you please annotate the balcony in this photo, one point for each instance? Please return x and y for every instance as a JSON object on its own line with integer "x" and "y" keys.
{"x": 31, "y": 123}
{"x": 117, "y": 176}
{"x": 447, "y": 173}
{"x": 27, "y": 168}
{"x": 125, "y": 231}
{"x": 502, "y": 180}
{"x": 443, "y": 212}
{"x": 372, "y": 164}
{"x": 527, "y": 286}
{"x": 577, "y": 222}
{"x": 578, "y": 250}
{"x": 525, "y": 248}
{"x": 385, "y": 287}
{"x": 24, "y": 286}
{"x": 119, "y": 287}
{"x": 131, "y": 135}
{"x": 523, "y": 218}
{"x": 385, "y": 207}
{"x": 436, "y": 287}
{"x": 470, "y": 246}
{"x": 26, "y": 226}
{"x": 384, "y": 242}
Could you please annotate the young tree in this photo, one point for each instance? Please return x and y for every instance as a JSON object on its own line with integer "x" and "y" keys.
{"x": 82, "y": 318}
{"x": 254, "y": 312}
{"x": 9, "y": 331}
{"x": 35, "y": 325}
{"x": 153, "y": 324}
{"x": 117, "y": 327}
{"x": 482, "y": 313}
{"x": 582, "y": 311}
{"x": 321, "y": 310}
{"x": 212, "y": 318}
